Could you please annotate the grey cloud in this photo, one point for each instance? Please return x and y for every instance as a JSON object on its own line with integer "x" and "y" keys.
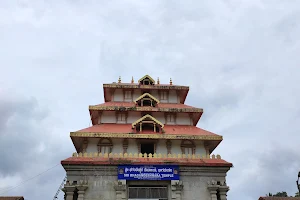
{"x": 273, "y": 169}
{"x": 27, "y": 147}
{"x": 20, "y": 133}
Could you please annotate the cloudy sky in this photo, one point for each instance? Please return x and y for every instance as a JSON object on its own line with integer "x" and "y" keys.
{"x": 239, "y": 57}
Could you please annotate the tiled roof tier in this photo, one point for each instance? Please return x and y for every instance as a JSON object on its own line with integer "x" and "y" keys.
{"x": 161, "y": 107}
{"x": 279, "y": 198}
{"x": 76, "y": 160}
{"x": 170, "y": 130}
{"x": 108, "y": 88}
{"x": 130, "y": 106}
{"x": 137, "y": 85}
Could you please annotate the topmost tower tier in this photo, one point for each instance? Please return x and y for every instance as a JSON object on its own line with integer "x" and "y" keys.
{"x": 146, "y": 85}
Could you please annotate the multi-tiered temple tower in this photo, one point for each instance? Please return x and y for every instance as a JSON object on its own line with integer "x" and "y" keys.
{"x": 144, "y": 144}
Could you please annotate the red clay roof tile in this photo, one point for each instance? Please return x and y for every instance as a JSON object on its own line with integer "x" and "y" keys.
{"x": 152, "y": 161}
{"x": 131, "y": 104}
{"x": 12, "y": 198}
{"x": 127, "y": 128}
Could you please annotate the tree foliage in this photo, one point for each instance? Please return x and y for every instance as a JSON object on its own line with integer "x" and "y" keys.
{"x": 281, "y": 194}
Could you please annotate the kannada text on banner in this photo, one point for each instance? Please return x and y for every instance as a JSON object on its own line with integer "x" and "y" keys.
{"x": 153, "y": 172}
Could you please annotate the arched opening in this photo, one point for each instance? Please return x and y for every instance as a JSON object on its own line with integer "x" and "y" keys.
{"x": 147, "y": 124}
{"x": 187, "y": 147}
{"x": 105, "y": 145}
{"x": 146, "y": 100}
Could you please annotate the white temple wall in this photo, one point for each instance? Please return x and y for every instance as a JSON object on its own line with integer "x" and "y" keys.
{"x": 200, "y": 149}
{"x": 136, "y": 94}
{"x": 132, "y": 146}
{"x": 176, "y": 147}
{"x": 173, "y": 98}
{"x": 92, "y": 145}
{"x": 161, "y": 146}
{"x": 159, "y": 116}
{"x": 101, "y": 182}
{"x": 154, "y": 93}
{"x": 108, "y": 117}
{"x": 118, "y": 95}
{"x": 117, "y": 146}
{"x": 183, "y": 119}
{"x": 133, "y": 116}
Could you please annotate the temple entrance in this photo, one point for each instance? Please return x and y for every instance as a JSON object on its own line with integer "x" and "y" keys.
{"x": 147, "y": 192}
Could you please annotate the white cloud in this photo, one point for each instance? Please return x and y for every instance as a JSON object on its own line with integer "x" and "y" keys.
{"x": 239, "y": 57}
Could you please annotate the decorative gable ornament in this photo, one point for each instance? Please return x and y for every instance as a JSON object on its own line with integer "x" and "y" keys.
{"x": 146, "y": 80}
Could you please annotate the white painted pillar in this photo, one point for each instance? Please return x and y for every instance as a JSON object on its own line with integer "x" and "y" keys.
{"x": 213, "y": 191}
{"x": 177, "y": 187}
{"x": 81, "y": 192}
{"x": 223, "y": 192}
{"x": 69, "y": 191}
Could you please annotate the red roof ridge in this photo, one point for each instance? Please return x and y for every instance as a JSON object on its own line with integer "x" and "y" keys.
{"x": 182, "y": 161}
{"x": 127, "y": 128}
{"x": 123, "y": 103}
{"x": 11, "y": 198}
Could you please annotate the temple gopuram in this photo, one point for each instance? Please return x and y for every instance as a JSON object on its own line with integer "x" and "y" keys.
{"x": 143, "y": 143}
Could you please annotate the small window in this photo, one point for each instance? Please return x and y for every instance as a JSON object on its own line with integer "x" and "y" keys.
{"x": 164, "y": 95}
{"x": 146, "y": 81}
{"x": 170, "y": 118}
{"x": 147, "y": 148}
{"x": 187, "y": 147}
{"x": 187, "y": 150}
{"x": 121, "y": 117}
{"x": 105, "y": 149}
{"x": 147, "y": 127}
{"x": 128, "y": 94}
{"x": 105, "y": 146}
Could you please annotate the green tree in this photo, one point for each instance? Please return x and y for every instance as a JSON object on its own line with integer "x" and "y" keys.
{"x": 281, "y": 194}
{"x": 297, "y": 194}
{"x": 278, "y": 194}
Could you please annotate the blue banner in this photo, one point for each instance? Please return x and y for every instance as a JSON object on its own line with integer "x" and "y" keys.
{"x": 146, "y": 172}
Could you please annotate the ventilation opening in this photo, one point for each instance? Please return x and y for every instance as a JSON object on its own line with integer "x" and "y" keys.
{"x": 146, "y": 82}
{"x": 148, "y": 192}
{"x": 147, "y": 103}
{"x": 148, "y": 127}
{"x": 147, "y": 148}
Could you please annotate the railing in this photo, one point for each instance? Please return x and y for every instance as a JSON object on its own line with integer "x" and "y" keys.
{"x": 145, "y": 155}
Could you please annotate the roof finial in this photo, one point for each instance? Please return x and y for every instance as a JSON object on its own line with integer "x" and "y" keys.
{"x": 158, "y": 81}
{"x": 119, "y": 81}
{"x": 171, "y": 82}
{"x": 132, "y": 81}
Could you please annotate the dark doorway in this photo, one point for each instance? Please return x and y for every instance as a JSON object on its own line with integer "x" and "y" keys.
{"x": 147, "y": 148}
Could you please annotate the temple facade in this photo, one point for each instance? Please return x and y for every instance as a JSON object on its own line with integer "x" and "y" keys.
{"x": 144, "y": 144}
